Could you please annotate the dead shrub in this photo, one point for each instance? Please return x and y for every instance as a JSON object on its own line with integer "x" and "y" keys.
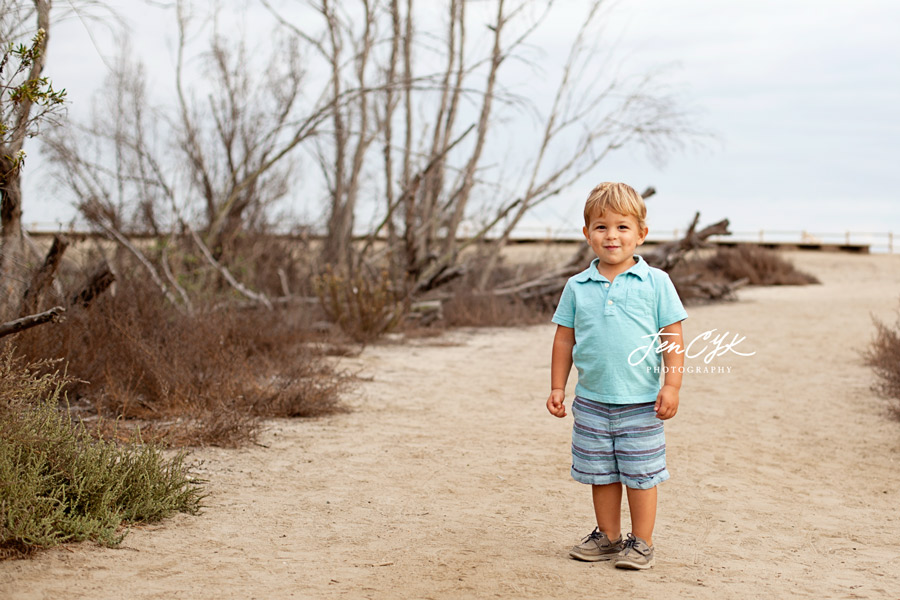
{"x": 760, "y": 266}
{"x": 464, "y": 305}
{"x": 469, "y": 307}
{"x": 883, "y": 355}
{"x": 204, "y": 378}
{"x": 273, "y": 264}
{"x": 466, "y": 309}
{"x": 364, "y": 306}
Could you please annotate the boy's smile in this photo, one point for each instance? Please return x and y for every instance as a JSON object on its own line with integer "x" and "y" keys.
{"x": 613, "y": 238}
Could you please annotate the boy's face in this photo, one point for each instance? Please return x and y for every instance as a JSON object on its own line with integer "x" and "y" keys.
{"x": 613, "y": 238}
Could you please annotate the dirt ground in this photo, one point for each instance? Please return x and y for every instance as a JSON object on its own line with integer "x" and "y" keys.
{"x": 450, "y": 480}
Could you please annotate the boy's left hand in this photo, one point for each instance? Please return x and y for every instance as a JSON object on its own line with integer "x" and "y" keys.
{"x": 666, "y": 402}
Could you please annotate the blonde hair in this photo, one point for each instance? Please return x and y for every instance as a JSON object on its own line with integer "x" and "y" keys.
{"x": 617, "y": 197}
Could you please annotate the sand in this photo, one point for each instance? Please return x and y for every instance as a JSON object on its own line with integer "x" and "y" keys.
{"x": 450, "y": 480}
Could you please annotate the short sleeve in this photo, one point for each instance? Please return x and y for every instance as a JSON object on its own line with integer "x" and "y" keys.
{"x": 668, "y": 305}
{"x": 565, "y": 310}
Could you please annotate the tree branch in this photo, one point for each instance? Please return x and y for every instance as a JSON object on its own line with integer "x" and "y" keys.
{"x": 30, "y": 321}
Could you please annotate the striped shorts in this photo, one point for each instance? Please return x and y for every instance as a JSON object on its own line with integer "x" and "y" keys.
{"x": 618, "y": 442}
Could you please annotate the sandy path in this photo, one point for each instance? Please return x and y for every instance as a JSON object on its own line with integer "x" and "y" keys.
{"x": 450, "y": 480}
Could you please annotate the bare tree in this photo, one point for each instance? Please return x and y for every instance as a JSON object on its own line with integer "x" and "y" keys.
{"x": 238, "y": 120}
{"x": 26, "y": 98}
{"x": 419, "y": 136}
{"x": 232, "y": 130}
{"x": 591, "y": 116}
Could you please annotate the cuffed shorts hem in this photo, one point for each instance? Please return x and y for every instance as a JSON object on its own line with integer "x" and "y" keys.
{"x": 637, "y": 484}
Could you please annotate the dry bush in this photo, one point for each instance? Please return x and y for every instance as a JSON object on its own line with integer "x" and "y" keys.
{"x": 485, "y": 310}
{"x": 365, "y": 306}
{"x": 883, "y": 355}
{"x": 760, "y": 266}
{"x": 199, "y": 379}
{"x": 468, "y": 307}
{"x": 272, "y": 264}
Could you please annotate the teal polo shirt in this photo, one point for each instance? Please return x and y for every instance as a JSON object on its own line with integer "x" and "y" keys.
{"x": 611, "y": 320}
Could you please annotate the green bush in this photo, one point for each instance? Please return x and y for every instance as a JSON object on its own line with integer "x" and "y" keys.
{"x": 58, "y": 484}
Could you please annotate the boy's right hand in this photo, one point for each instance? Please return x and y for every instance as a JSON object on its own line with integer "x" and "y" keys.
{"x": 556, "y": 403}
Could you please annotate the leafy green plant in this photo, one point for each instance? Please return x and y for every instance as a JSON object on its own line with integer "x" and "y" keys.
{"x": 19, "y": 87}
{"x": 58, "y": 484}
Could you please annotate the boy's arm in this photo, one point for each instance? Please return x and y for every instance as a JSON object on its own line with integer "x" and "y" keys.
{"x": 560, "y": 365}
{"x": 673, "y": 359}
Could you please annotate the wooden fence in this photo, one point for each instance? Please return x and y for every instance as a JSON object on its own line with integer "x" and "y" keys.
{"x": 856, "y": 241}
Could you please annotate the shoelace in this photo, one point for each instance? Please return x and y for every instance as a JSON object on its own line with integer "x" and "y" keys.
{"x": 630, "y": 544}
{"x": 594, "y": 535}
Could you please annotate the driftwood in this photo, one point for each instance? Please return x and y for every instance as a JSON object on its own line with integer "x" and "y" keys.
{"x": 30, "y": 321}
{"x": 665, "y": 256}
{"x": 97, "y": 283}
{"x": 43, "y": 277}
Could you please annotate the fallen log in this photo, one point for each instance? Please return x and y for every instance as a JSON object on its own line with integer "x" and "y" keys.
{"x": 27, "y": 322}
{"x": 666, "y": 256}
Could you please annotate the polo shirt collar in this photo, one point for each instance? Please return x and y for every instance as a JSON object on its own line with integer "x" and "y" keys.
{"x": 640, "y": 268}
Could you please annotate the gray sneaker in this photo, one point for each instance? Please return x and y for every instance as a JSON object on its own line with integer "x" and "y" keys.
{"x": 596, "y": 546}
{"x": 635, "y": 555}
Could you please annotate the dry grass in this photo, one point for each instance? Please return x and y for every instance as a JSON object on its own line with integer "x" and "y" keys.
{"x": 883, "y": 355}
{"x": 201, "y": 379}
{"x": 466, "y": 306}
{"x": 365, "y": 306}
{"x": 465, "y": 309}
{"x": 760, "y": 266}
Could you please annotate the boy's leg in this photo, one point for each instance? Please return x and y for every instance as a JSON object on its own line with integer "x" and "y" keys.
{"x": 638, "y": 552}
{"x": 642, "y": 504}
{"x": 605, "y": 542}
{"x": 608, "y": 508}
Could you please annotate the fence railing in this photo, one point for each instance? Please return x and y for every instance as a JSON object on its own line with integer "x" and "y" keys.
{"x": 879, "y": 241}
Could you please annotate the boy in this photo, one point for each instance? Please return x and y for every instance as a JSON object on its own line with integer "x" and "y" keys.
{"x": 606, "y": 318}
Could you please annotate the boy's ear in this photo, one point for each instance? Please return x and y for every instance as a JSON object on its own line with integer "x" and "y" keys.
{"x": 587, "y": 236}
{"x": 643, "y": 236}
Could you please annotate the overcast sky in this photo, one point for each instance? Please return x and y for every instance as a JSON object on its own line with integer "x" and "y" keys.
{"x": 803, "y": 97}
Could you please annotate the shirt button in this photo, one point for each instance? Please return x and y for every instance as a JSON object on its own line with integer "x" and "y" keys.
{"x": 605, "y": 285}
{"x": 609, "y": 301}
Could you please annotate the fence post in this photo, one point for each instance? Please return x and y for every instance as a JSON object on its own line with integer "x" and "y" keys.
{"x": 760, "y": 235}
{"x": 847, "y": 238}
{"x": 890, "y": 242}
